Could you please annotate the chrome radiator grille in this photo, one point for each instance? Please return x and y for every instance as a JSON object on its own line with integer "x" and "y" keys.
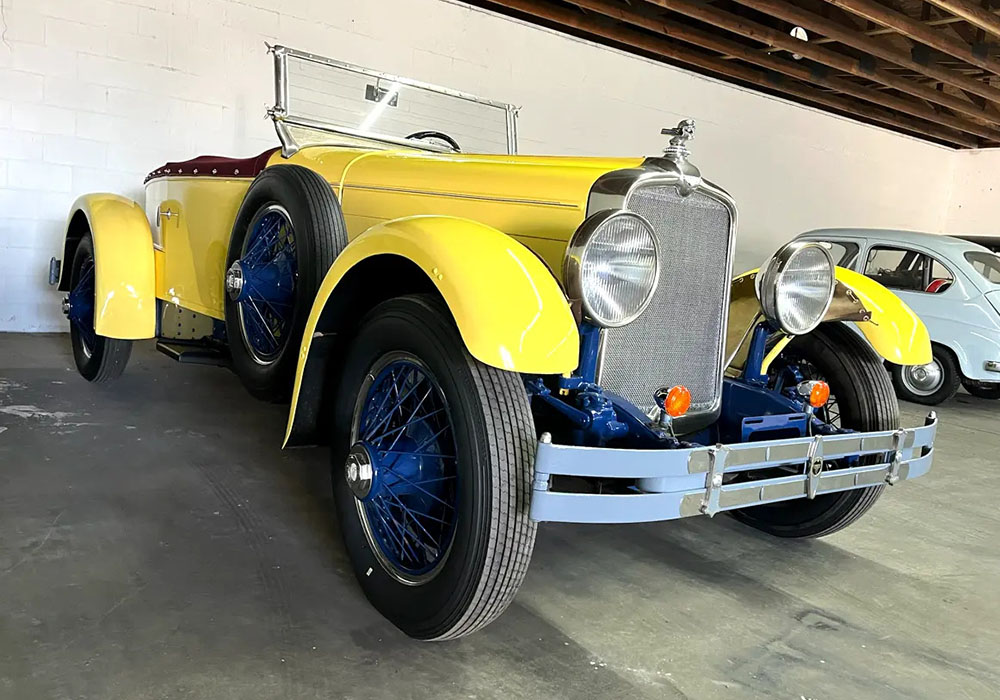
{"x": 679, "y": 338}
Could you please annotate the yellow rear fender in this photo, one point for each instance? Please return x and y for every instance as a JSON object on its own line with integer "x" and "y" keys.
{"x": 510, "y": 311}
{"x": 124, "y": 272}
{"x": 896, "y": 333}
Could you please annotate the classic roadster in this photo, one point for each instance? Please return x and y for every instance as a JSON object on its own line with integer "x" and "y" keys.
{"x": 487, "y": 341}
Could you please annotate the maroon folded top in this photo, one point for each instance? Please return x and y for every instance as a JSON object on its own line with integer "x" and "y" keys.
{"x": 215, "y": 166}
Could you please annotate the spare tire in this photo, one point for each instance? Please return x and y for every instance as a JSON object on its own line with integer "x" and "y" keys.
{"x": 287, "y": 234}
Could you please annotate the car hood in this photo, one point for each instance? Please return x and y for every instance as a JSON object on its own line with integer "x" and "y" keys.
{"x": 540, "y": 200}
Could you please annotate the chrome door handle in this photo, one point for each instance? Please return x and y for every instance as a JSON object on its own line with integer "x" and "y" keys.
{"x": 166, "y": 214}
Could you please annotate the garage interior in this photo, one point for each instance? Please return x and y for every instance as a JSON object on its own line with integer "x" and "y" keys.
{"x": 156, "y": 542}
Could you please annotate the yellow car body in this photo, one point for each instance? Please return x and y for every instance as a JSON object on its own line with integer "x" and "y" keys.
{"x": 489, "y": 232}
{"x": 521, "y": 212}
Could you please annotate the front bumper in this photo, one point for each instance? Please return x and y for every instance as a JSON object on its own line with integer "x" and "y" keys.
{"x": 677, "y": 483}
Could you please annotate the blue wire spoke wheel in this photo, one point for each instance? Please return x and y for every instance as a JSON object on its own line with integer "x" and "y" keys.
{"x": 81, "y": 308}
{"x": 402, "y": 468}
{"x": 263, "y": 282}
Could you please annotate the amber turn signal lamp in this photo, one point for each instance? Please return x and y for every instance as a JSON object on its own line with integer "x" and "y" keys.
{"x": 678, "y": 401}
{"x": 819, "y": 394}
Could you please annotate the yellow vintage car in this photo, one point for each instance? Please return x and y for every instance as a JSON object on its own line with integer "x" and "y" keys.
{"x": 488, "y": 340}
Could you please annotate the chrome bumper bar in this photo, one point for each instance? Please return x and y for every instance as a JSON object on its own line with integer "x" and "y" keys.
{"x": 678, "y": 483}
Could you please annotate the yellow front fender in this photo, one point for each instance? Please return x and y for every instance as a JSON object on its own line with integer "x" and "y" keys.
{"x": 125, "y": 277}
{"x": 894, "y": 331}
{"x": 509, "y": 309}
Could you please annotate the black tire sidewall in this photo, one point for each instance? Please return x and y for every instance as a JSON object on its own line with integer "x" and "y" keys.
{"x": 951, "y": 378}
{"x": 278, "y": 185}
{"x": 89, "y": 367}
{"x": 414, "y": 326}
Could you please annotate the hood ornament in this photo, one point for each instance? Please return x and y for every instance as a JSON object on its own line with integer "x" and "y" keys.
{"x": 678, "y": 151}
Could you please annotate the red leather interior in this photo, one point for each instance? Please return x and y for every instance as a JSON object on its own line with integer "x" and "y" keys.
{"x": 215, "y": 166}
{"x": 937, "y": 285}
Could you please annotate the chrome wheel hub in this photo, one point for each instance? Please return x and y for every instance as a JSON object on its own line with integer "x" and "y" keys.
{"x": 234, "y": 281}
{"x": 359, "y": 471}
{"x": 923, "y": 380}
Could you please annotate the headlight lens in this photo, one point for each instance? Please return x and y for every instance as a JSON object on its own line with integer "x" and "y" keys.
{"x": 795, "y": 287}
{"x": 612, "y": 266}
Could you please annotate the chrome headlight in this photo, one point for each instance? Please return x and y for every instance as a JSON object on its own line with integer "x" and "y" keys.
{"x": 795, "y": 287}
{"x": 612, "y": 266}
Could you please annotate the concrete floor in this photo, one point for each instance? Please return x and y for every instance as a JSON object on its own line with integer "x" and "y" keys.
{"x": 155, "y": 543}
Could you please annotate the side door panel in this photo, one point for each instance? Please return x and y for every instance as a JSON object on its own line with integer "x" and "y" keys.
{"x": 193, "y": 221}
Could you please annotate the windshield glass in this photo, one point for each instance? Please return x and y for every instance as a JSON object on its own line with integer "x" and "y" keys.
{"x": 327, "y": 97}
{"x": 986, "y": 264}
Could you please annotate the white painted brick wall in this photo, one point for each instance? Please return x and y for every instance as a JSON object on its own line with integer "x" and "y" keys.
{"x": 95, "y": 93}
{"x": 975, "y": 196}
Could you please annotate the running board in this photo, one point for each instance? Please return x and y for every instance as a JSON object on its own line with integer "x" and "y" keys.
{"x": 194, "y": 353}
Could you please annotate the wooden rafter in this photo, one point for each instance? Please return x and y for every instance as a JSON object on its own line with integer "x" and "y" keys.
{"x": 932, "y": 127}
{"x": 834, "y": 31}
{"x": 930, "y": 68}
{"x": 825, "y": 56}
{"x": 880, "y": 14}
{"x": 976, "y": 15}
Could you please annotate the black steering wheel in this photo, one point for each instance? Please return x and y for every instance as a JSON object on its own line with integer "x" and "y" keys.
{"x": 418, "y": 135}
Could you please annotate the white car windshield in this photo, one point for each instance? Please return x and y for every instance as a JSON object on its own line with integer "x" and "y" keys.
{"x": 986, "y": 264}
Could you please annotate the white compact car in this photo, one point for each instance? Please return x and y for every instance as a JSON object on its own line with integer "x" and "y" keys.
{"x": 953, "y": 285}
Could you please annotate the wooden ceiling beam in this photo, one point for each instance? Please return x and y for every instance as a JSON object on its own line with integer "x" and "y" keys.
{"x": 832, "y": 30}
{"x": 769, "y": 81}
{"x": 882, "y": 31}
{"x": 976, "y": 15}
{"x": 880, "y": 14}
{"x": 827, "y": 57}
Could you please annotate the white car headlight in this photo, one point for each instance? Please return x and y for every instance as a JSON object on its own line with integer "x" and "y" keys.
{"x": 796, "y": 285}
{"x": 612, "y": 267}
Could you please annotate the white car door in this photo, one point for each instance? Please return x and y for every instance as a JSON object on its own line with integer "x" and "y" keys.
{"x": 921, "y": 280}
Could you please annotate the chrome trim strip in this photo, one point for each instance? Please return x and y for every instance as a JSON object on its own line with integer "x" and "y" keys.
{"x": 457, "y": 195}
{"x": 512, "y": 129}
{"x": 599, "y": 368}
